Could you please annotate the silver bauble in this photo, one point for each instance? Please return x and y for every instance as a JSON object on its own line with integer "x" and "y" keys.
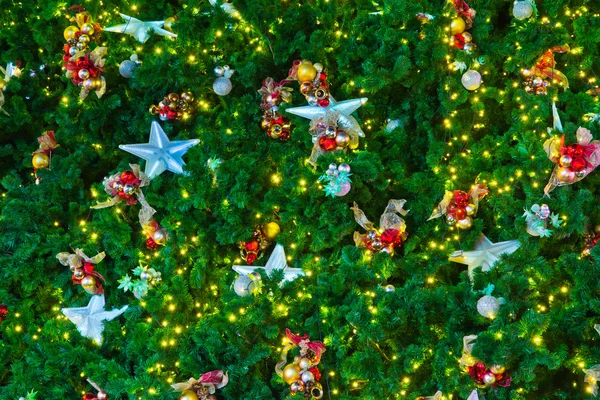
{"x": 330, "y": 131}
{"x": 145, "y": 275}
{"x": 390, "y": 288}
{"x": 127, "y": 67}
{"x": 219, "y": 71}
{"x": 489, "y": 378}
{"x": 344, "y": 168}
{"x": 244, "y": 285}
{"x": 307, "y": 376}
{"x": 488, "y": 306}
{"x": 83, "y": 74}
{"x": 129, "y": 189}
{"x": 222, "y": 86}
{"x": 471, "y": 80}
{"x": 522, "y": 9}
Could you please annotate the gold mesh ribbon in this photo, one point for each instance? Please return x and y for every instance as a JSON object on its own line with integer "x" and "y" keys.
{"x": 76, "y": 260}
{"x": 468, "y": 343}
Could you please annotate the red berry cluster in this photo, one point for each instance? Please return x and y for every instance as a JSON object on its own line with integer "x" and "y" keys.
{"x": 276, "y": 125}
{"x": 126, "y": 187}
{"x": 495, "y": 376}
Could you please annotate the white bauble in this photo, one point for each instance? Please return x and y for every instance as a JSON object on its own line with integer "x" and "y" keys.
{"x": 488, "y": 306}
{"x": 471, "y": 80}
{"x": 522, "y": 9}
{"x": 244, "y": 286}
{"x": 222, "y": 86}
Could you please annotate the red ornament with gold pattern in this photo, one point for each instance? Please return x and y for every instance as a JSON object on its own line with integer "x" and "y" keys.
{"x": 392, "y": 228}
{"x": 262, "y": 238}
{"x": 82, "y": 269}
{"x": 303, "y": 374}
{"x": 460, "y": 207}
{"x": 459, "y": 26}
{"x": 173, "y": 106}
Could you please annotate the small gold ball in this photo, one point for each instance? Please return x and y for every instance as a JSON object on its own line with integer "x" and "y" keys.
{"x": 597, "y": 229}
{"x": 2, "y": 84}
{"x": 457, "y": 25}
{"x": 168, "y": 25}
{"x": 88, "y": 84}
{"x": 40, "y": 160}
{"x": 465, "y": 223}
{"x": 173, "y": 97}
{"x": 160, "y": 236}
{"x": 271, "y": 229}
{"x": 304, "y": 363}
{"x": 565, "y": 175}
{"x": 70, "y": 32}
{"x": 188, "y": 395}
{"x": 306, "y": 72}
{"x": 87, "y": 29}
{"x": 291, "y": 373}
{"x": 173, "y": 105}
{"x": 187, "y": 96}
{"x": 265, "y": 123}
{"x": 89, "y": 284}
{"x": 498, "y": 369}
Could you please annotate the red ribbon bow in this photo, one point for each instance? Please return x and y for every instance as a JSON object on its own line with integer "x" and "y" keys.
{"x": 315, "y": 346}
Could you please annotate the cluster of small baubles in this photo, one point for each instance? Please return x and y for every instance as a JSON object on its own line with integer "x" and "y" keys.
{"x": 313, "y": 83}
{"x": 173, "y": 106}
{"x": 276, "y": 125}
{"x": 261, "y": 238}
{"x": 125, "y": 186}
{"x": 222, "y": 85}
{"x": 460, "y": 212}
{"x": 591, "y": 239}
{"x": 157, "y": 236}
{"x": 88, "y": 282}
{"x": 83, "y": 77}
{"x": 334, "y": 171}
{"x": 79, "y": 38}
{"x": 571, "y": 164}
{"x": 303, "y": 377}
{"x": 40, "y": 160}
{"x": 385, "y": 241}
{"x": 461, "y": 39}
{"x": 102, "y": 395}
{"x": 534, "y": 83}
{"x": 331, "y": 138}
{"x": 151, "y": 275}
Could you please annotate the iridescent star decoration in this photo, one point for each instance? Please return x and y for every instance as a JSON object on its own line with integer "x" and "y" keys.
{"x": 160, "y": 153}
{"x": 276, "y": 261}
{"x": 485, "y": 255}
{"x": 90, "y": 319}
{"x": 344, "y": 108}
{"x": 139, "y": 29}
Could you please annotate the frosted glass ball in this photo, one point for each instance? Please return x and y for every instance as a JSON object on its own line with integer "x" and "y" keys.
{"x": 522, "y": 10}
{"x": 488, "y": 306}
{"x": 222, "y": 86}
{"x": 344, "y": 189}
{"x": 244, "y": 285}
{"x": 126, "y": 68}
{"x": 471, "y": 80}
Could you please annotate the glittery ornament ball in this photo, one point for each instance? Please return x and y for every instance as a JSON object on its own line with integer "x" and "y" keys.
{"x": 126, "y": 68}
{"x": 471, "y": 80}
{"x": 222, "y": 86}
{"x": 244, "y": 286}
{"x": 522, "y": 10}
{"x": 488, "y": 306}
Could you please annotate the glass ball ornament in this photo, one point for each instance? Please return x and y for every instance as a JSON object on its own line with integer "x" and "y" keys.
{"x": 488, "y": 306}
{"x": 244, "y": 285}
{"x": 222, "y": 86}
{"x": 471, "y": 80}
{"x": 522, "y": 9}
{"x": 291, "y": 373}
{"x": 126, "y": 68}
{"x": 344, "y": 189}
{"x": 390, "y": 288}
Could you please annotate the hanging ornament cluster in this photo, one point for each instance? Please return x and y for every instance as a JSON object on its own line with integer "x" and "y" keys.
{"x": 591, "y": 240}
{"x": 173, "y": 106}
{"x": 222, "y": 85}
{"x": 262, "y": 237}
{"x": 424, "y": 18}
{"x": 524, "y": 9}
{"x": 148, "y": 277}
{"x": 328, "y": 136}
{"x": 592, "y": 374}
{"x": 574, "y": 161}
{"x": 272, "y": 95}
{"x": 439, "y": 396}
{"x": 459, "y": 26}
{"x": 303, "y": 374}
{"x": 156, "y": 235}
{"x": 203, "y": 388}
{"x": 539, "y": 218}
{"x": 392, "y": 228}
{"x": 141, "y": 30}
{"x": 337, "y": 179}
{"x": 313, "y": 82}
{"x": 82, "y": 270}
{"x": 3, "y": 312}
{"x": 8, "y": 72}
{"x": 125, "y": 186}
{"x": 101, "y": 395}
{"x": 43, "y": 155}
{"x": 127, "y": 67}
{"x": 494, "y": 376}
{"x": 460, "y": 207}
{"x": 83, "y": 67}
{"x": 537, "y": 78}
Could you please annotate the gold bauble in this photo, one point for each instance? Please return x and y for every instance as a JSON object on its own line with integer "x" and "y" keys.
{"x": 168, "y": 25}
{"x": 2, "y": 84}
{"x": 471, "y": 209}
{"x": 160, "y": 236}
{"x": 88, "y": 84}
{"x": 342, "y": 138}
{"x": 97, "y": 83}
{"x": 465, "y": 223}
{"x": 89, "y": 284}
{"x": 85, "y": 39}
{"x": 317, "y": 391}
{"x": 265, "y": 123}
{"x": 87, "y": 29}
{"x": 40, "y": 160}
{"x": 304, "y": 363}
{"x": 271, "y": 230}
{"x": 597, "y": 229}
{"x": 173, "y": 105}
{"x": 188, "y": 395}
{"x": 306, "y": 72}
{"x": 70, "y": 32}
{"x": 187, "y": 96}
{"x": 468, "y": 38}
{"x": 291, "y": 373}
{"x": 276, "y": 131}
{"x": 457, "y": 25}
{"x": 173, "y": 97}
{"x": 498, "y": 369}
{"x": 565, "y": 175}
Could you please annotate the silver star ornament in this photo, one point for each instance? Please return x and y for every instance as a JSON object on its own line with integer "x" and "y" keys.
{"x": 485, "y": 255}
{"x": 140, "y": 29}
{"x": 343, "y": 108}
{"x": 276, "y": 261}
{"x": 160, "y": 153}
{"x": 90, "y": 319}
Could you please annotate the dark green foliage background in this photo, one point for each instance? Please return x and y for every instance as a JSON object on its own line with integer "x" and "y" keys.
{"x": 416, "y": 332}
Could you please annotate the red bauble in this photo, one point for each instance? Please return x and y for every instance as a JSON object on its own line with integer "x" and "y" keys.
{"x": 323, "y": 102}
{"x": 251, "y": 246}
{"x": 459, "y": 41}
{"x": 151, "y": 244}
{"x": 89, "y": 396}
{"x": 327, "y": 144}
{"x": 460, "y": 213}
{"x": 578, "y": 164}
{"x": 250, "y": 258}
{"x": 3, "y": 312}
{"x": 128, "y": 177}
{"x": 575, "y": 150}
{"x": 323, "y": 77}
{"x": 171, "y": 114}
{"x": 390, "y": 236}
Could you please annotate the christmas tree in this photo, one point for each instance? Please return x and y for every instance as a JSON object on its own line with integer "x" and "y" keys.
{"x": 460, "y": 102}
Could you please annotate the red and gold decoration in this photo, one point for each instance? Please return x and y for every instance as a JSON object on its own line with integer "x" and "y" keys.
{"x": 43, "y": 155}
{"x": 101, "y": 395}
{"x": 303, "y": 374}
{"x": 173, "y": 106}
{"x": 460, "y": 207}
{"x": 203, "y": 388}
{"x": 591, "y": 240}
{"x": 574, "y": 161}
{"x": 272, "y": 95}
{"x": 156, "y": 235}
{"x": 82, "y": 270}
{"x": 5, "y": 75}
{"x": 537, "y": 78}
{"x": 461, "y": 24}
{"x": 392, "y": 228}
{"x": 494, "y": 376}
{"x": 262, "y": 238}
{"x": 328, "y": 136}
{"x": 3, "y": 312}
{"x": 313, "y": 82}
{"x": 84, "y": 67}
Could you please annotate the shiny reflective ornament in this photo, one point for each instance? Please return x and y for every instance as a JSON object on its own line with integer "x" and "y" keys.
{"x": 522, "y": 9}
{"x": 168, "y": 25}
{"x": 88, "y": 84}
{"x": 526, "y": 72}
{"x": 89, "y": 284}
{"x": 376, "y": 244}
{"x": 580, "y": 174}
{"x": 85, "y": 39}
{"x": 188, "y": 395}
{"x": 465, "y": 223}
{"x": 390, "y": 288}
{"x": 306, "y": 72}
{"x": 317, "y": 390}
{"x": 565, "y": 175}
{"x": 72, "y": 51}
{"x": 498, "y": 369}
{"x": 83, "y": 74}
{"x": 81, "y": 46}
{"x": 87, "y": 29}
{"x": 469, "y": 47}
{"x": 102, "y": 395}
{"x": 145, "y": 275}
{"x": 488, "y": 306}
{"x": 308, "y": 376}
{"x": 187, "y": 97}
{"x": 471, "y": 80}
{"x": 40, "y": 160}
{"x": 272, "y": 229}
{"x": 291, "y": 373}
{"x": 457, "y": 25}
{"x": 344, "y": 189}
{"x": 129, "y": 189}
{"x": 70, "y": 32}
{"x": 342, "y": 139}
{"x": 244, "y": 285}
{"x": 565, "y": 161}
{"x": 304, "y": 363}
{"x": 467, "y": 37}
{"x": 471, "y": 209}
{"x": 489, "y": 378}
{"x": 160, "y": 236}
{"x": 344, "y": 168}
{"x": 297, "y": 387}
{"x": 127, "y": 67}
{"x": 222, "y": 86}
